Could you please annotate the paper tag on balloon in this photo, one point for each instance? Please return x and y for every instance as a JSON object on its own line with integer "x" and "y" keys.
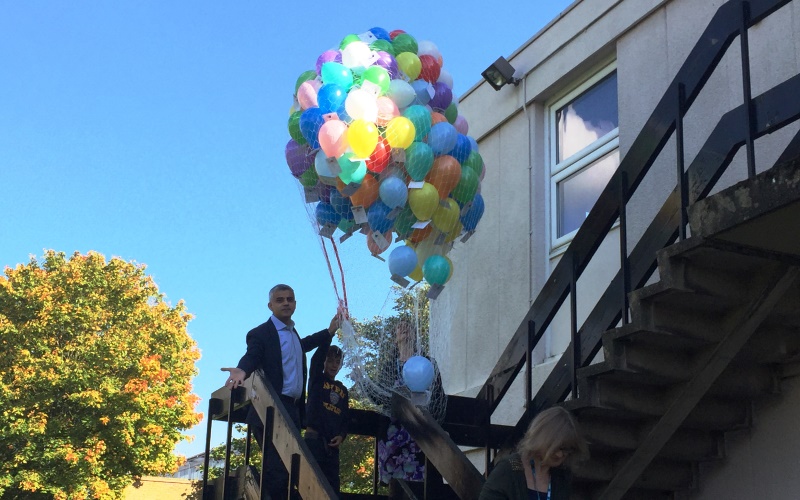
{"x": 333, "y": 165}
{"x": 330, "y": 116}
{"x": 398, "y": 156}
{"x": 466, "y": 208}
{"x": 416, "y": 184}
{"x": 420, "y": 224}
{"x": 380, "y": 241}
{"x": 444, "y": 203}
{"x": 431, "y": 91}
{"x": 373, "y": 58}
{"x": 434, "y": 291}
{"x": 326, "y": 231}
{"x": 367, "y": 37}
{"x": 365, "y": 229}
{"x": 379, "y": 257}
{"x": 370, "y": 87}
{"x": 467, "y": 236}
{"x": 400, "y": 280}
{"x": 312, "y": 195}
{"x": 350, "y": 189}
{"x": 359, "y": 214}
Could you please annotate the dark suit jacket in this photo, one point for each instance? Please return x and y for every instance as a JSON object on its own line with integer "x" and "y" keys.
{"x": 264, "y": 352}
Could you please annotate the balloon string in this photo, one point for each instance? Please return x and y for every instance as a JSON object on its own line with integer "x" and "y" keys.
{"x": 339, "y": 298}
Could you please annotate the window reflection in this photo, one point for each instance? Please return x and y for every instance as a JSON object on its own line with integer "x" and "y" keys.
{"x": 587, "y": 118}
{"x": 577, "y": 193}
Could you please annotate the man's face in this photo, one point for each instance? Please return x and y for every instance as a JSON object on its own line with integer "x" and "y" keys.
{"x": 282, "y": 304}
{"x": 332, "y": 366}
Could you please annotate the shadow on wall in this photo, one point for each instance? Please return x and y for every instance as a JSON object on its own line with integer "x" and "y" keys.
{"x": 163, "y": 488}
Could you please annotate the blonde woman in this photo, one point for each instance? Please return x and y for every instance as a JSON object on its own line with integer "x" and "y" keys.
{"x": 538, "y": 470}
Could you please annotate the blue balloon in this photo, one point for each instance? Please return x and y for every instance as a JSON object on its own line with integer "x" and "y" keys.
{"x": 442, "y": 138}
{"x": 473, "y": 144}
{"x": 381, "y": 34}
{"x": 337, "y": 73}
{"x": 474, "y": 214}
{"x": 393, "y": 192}
{"x": 326, "y": 214}
{"x": 421, "y": 87}
{"x": 418, "y": 373}
{"x": 377, "y": 216}
{"x": 341, "y": 204}
{"x": 462, "y": 149}
{"x": 330, "y": 99}
{"x": 310, "y": 122}
{"x": 402, "y": 261}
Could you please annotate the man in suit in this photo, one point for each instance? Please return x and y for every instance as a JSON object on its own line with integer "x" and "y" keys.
{"x": 277, "y": 349}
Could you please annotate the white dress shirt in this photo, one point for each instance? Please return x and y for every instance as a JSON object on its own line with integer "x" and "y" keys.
{"x": 291, "y": 358}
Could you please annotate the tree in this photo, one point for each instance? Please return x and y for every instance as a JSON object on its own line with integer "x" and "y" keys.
{"x": 95, "y": 371}
{"x": 357, "y": 459}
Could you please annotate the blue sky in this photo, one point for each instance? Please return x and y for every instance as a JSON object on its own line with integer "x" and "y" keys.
{"x": 155, "y": 131}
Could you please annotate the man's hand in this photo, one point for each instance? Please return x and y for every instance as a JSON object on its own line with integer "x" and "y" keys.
{"x": 236, "y": 378}
{"x": 335, "y": 442}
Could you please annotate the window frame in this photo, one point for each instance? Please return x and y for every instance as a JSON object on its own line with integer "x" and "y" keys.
{"x": 580, "y": 159}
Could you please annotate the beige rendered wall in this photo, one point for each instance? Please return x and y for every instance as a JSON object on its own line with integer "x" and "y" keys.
{"x": 161, "y": 488}
{"x": 509, "y": 257}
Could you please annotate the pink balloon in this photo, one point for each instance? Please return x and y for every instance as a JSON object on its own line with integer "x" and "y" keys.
{"x": 333, "y": 138}
{"x": 461, "y": 125}
{"x": 387, "y": 110}
{"x": 307, "y": 93}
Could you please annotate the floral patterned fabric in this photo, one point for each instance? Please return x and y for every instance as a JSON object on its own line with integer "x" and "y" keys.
{"x": 399, "y": 456}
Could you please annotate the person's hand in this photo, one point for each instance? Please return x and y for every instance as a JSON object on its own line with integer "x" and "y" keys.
{"x": 236, "y": 377}
{"x": 335, "y": 442}
{"x": 336, "y": 321}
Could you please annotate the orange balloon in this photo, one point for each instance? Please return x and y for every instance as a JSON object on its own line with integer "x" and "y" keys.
{"x": 374, "y": 249}
{"x": 437, "y": 118}
{"x": 367, "y": 193}
{"x": 418, "y": 235}
{"x": 444, "y": 175}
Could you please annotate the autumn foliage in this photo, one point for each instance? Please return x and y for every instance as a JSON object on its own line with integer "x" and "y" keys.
{"x": 95, "y": 372}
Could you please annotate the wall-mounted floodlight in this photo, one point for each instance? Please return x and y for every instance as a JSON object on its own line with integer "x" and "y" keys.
{"x": 500, "y": 73}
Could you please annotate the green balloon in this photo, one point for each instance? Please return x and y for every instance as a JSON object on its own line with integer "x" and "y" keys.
{"x": 419, "y": 160}
{"x": 309, "y": 178}
{"x": 294, "y": 128}
{"x": 377, "y": 75}
{"x": 348, "y": 40}
{"x": 384, "y": 45}
{"x": 405, "y": 43}
{"x": 467, "y": 187}
{"x": 436, "y": 270}
{"x": 451, "y": 113}
{"x": 346, "y": 224}
{"x": 304, "y": 77}
{"x": 403, "y": 222}
{"x": 474, "y": 162}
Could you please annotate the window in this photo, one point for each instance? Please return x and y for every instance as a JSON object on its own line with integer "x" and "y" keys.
{"x": 584, "y": 137}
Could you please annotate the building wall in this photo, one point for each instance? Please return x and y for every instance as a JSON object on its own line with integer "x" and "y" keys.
{"x": 161, "y": 488}
{"x": 506, "y": 262}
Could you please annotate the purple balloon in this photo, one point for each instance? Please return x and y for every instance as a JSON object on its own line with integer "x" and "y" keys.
{"x": 388, "y": 62}
{"x": 442, "y": 96}
{"x": 328, "y": 56}
{"x": 299, "y": 157}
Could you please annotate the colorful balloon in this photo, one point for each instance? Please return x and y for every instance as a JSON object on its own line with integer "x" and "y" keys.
{"x": 402, "y": 261}
{"x": 471, "y": 218}
{"x": 362, "y": 136}
{"x": 333, "y": 138}
{"x": 409, "y": 64}
{"x": 393, "y": 192}
{"x": 436, "y": 270}
{"x": 445, "y": 218}
{"x": 378, "y": 217}
{"x": 337, "y": 74}
{"x": 418, "y": 373}
{"x": 367, "y": 193}
{"x": 444, "y": 175}
{"x": 419, "y": 160}
{"x": 399, "y": 132}
{"x": 423, "y": 201}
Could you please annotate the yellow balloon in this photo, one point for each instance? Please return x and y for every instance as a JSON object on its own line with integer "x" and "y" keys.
{"x": 452, "y": 235}
{"x": 446, "y": 218}
{"x": 423, "y": 201}
{"x": 409, "y": 63}
{"x": 451, "y": 268}
{"x": 427, "y": 247}
{"x": 362, "y": 137}
{"x": 400, "y": 132}
{"x": 416, "y": 274}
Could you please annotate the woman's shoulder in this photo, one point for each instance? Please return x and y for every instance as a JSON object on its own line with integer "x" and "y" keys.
{"x": 511, "y": 462}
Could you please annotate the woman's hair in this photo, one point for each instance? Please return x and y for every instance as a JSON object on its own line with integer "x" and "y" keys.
{"x": 552, "y": 430}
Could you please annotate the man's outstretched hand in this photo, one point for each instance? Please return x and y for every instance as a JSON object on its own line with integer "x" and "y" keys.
{"x": 236, "y": 377}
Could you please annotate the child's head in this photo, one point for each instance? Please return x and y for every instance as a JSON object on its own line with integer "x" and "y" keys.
{"x": 333, "y": 361}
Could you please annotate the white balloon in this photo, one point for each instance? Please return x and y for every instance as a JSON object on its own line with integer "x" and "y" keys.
{"x": 361, "y": 105}
{"x": 446, "y": 78}
{"x": 356, "y": 54}
{"x": 401, "y": 92}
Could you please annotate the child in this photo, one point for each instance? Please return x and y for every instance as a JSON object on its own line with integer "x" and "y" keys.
{"x": 326, "y": 411}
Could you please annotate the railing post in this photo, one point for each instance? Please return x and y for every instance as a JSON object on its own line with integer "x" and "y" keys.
{"x": 529, "y": 364}
{"x": 682, "y": 188}
{"x": 488, "y": 456}
{"x": 294, "y": 476}
{"x": 247, "y": 450}
{"x": 214, "y": 407}
{"x": 573, "y": 316}
{"x": 228, "y": 437}
{"x": 746, "y": 89}
{"x": 624, "y": 265}
{"x": 269, "y": 424}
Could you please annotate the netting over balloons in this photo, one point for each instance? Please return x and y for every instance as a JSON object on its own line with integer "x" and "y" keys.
{"x": 380, "y": 148}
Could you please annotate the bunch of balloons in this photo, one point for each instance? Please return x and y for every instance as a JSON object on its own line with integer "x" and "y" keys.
{"x": 379, "y": 145}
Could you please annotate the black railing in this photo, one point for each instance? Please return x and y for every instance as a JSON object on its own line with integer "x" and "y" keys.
{"x": 741, "y": 126}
